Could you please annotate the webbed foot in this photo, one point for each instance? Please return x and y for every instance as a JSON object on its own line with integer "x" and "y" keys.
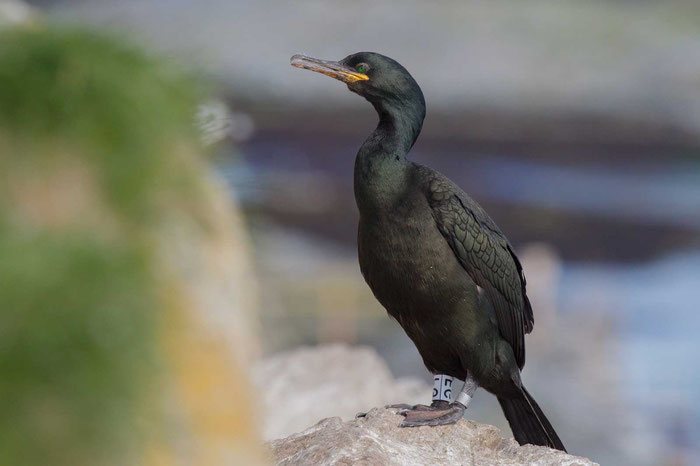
{"x": 404, "y": 408}
{"x": 448, "y": 413}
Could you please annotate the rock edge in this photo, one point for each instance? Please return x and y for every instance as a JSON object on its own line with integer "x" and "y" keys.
{"x": 376, "y": 439}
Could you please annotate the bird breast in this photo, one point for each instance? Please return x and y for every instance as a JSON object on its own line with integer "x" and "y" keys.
{"x": 408, "y": 264}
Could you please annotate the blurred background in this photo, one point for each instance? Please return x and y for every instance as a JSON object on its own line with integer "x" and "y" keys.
{"x": 575, "y": 124}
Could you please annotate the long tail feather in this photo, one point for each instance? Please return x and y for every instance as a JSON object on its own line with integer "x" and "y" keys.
{"x": 528, "y": 422}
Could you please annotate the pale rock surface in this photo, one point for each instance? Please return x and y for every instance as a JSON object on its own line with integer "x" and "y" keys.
{"x": 376, "y": 439}
{"x": 299, "y": 387}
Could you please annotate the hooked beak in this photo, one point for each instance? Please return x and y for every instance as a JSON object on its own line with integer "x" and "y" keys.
{"x": 329, "y": 68}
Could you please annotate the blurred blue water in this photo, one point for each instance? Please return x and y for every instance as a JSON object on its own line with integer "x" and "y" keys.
{"x": 666, "y": 193}
{"x": 656, "y": 306}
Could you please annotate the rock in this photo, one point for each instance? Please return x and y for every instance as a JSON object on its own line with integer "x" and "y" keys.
{"x": 300, "y": 387}
{"x": 376, "y": 439}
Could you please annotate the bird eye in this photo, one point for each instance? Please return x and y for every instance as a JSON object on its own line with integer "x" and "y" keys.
{"x": 362, "y": 68}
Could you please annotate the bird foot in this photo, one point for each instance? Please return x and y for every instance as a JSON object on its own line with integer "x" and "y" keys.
{"x": 405, "y": 408}
{"x": 433, "y": 416}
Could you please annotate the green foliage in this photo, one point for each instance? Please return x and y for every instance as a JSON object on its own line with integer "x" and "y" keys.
{"x": 78, "y": 313}
{"x": 121, "y": 108}
{"x": 76, "y": 333}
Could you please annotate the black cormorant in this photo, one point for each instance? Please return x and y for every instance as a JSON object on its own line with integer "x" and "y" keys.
{"x": 434, "y": 259}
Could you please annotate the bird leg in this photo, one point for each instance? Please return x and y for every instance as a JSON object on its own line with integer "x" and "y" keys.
{"x": 442, "y": 394}
{"x": 445, "y": 414}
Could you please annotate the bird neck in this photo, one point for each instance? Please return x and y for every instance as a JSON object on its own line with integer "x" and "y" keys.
{"x": 381, "y": 167}
{"x": 400, "y": 124}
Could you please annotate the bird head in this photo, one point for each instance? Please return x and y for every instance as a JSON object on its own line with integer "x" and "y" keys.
{"x": 378, "y": 78}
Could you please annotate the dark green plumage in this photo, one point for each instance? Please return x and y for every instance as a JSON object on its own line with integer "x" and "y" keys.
{"x": 432, "y": 256}
{"x": 486, "y": 255}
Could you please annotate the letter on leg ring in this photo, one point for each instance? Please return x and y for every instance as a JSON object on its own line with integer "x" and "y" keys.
{"x": 442, "y": 387}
